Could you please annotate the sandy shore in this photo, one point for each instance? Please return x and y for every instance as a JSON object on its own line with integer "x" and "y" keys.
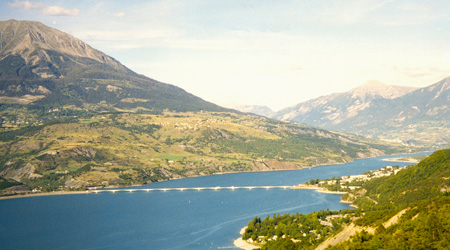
{"x": 407, "y": 160}
{"x": 325, "y": 191}
{"x": 42, "y": 194}
{"x": 317, "y": 189}
{"x": 304, "y": 186}
{"x": 242, "y": 244}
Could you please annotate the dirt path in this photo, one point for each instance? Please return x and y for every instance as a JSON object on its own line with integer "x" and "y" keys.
{"x": 344, "y": 235}
{"x": 351, "y": 230}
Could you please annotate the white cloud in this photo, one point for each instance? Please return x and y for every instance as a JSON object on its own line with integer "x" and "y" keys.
{"x": 46, "y": 10}
{"x": 120, "y": 14}
{"x": 27, "y": 5}
{"x": 59, "y": 11}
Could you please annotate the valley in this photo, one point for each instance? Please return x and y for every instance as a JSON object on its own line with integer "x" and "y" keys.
{"x": 73, "y": 118}
{"x": 317, "y": 125}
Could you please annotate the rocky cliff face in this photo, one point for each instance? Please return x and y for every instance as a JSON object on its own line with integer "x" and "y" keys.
{"x": 272, "y": 165}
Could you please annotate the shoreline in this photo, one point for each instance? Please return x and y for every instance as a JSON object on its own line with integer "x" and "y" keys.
{"x": 317, "y": 189}
{"x": 325, "y": 191}
{"x": 242, "y": 244}
{"x": 29, "y": 195}
{"x": 400, "y": 160}
{"x": 18, "y": 196}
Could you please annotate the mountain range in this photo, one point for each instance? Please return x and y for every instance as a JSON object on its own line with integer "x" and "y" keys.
{"x": 408, "y": 115}
{"x": 73, "y": 117}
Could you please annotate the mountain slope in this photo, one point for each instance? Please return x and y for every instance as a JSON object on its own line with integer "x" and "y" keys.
{"x": 72, "y": 117}
{"x": 411, "y": 116}
{"x": 35, "y": 50}
{"x": 128, "y": 148}
{"x": 42, "y": 66}
{"x": 419, "y": 195}
{"x": 333, "y": 109}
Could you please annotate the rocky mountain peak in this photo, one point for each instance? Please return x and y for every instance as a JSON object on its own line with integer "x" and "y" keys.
{"x": 42, "y": 66}
{"x": 441, "y": 86}
{"x": 375, "y": 90}
{"x": 36, "y": 43}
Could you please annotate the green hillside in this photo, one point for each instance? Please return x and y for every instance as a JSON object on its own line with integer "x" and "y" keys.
{"x": 126, "y": 148}
{"x": 406, "y": 210}
{"x": 422, "y": 192}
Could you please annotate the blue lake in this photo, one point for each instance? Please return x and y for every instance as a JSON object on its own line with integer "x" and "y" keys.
{"x": 189, "y": 219}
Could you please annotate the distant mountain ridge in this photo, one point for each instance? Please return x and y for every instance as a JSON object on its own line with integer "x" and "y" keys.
{"x": 417, "y": 116}
{"x": 378, "y": 90}
{"x": 255, "y": 109}
{"x": 335, "y": 108}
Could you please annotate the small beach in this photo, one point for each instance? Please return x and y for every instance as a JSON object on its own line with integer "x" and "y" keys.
{"x": 408, "y": 159}
{"x": 317, "y": 189}
{"x": 242, "y": 244}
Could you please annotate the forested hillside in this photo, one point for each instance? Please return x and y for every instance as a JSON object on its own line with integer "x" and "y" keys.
{"x": 422, "y": 193}
{"x": 407, "y": 210}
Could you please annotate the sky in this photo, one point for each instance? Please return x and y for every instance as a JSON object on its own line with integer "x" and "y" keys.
{"x": 260, "y": 52}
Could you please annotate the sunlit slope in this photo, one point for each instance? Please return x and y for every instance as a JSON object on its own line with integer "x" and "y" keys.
{"x": 130, "y": 148}
{"x": 414, "y": 117}
{"x": 419, "y": 196}
{"x": 409, "y": 209}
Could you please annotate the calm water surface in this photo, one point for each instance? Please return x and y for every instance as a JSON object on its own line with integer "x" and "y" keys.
{"x": 187, "y": 219}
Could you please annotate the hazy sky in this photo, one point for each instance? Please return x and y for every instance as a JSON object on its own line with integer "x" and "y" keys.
{"x": 274, "y": 53}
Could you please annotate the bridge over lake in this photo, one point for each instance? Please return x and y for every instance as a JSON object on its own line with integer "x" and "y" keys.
{"x": 188, "y": 189}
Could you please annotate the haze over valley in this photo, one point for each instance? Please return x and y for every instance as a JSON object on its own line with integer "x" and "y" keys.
{"x": 273, "y": 106}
